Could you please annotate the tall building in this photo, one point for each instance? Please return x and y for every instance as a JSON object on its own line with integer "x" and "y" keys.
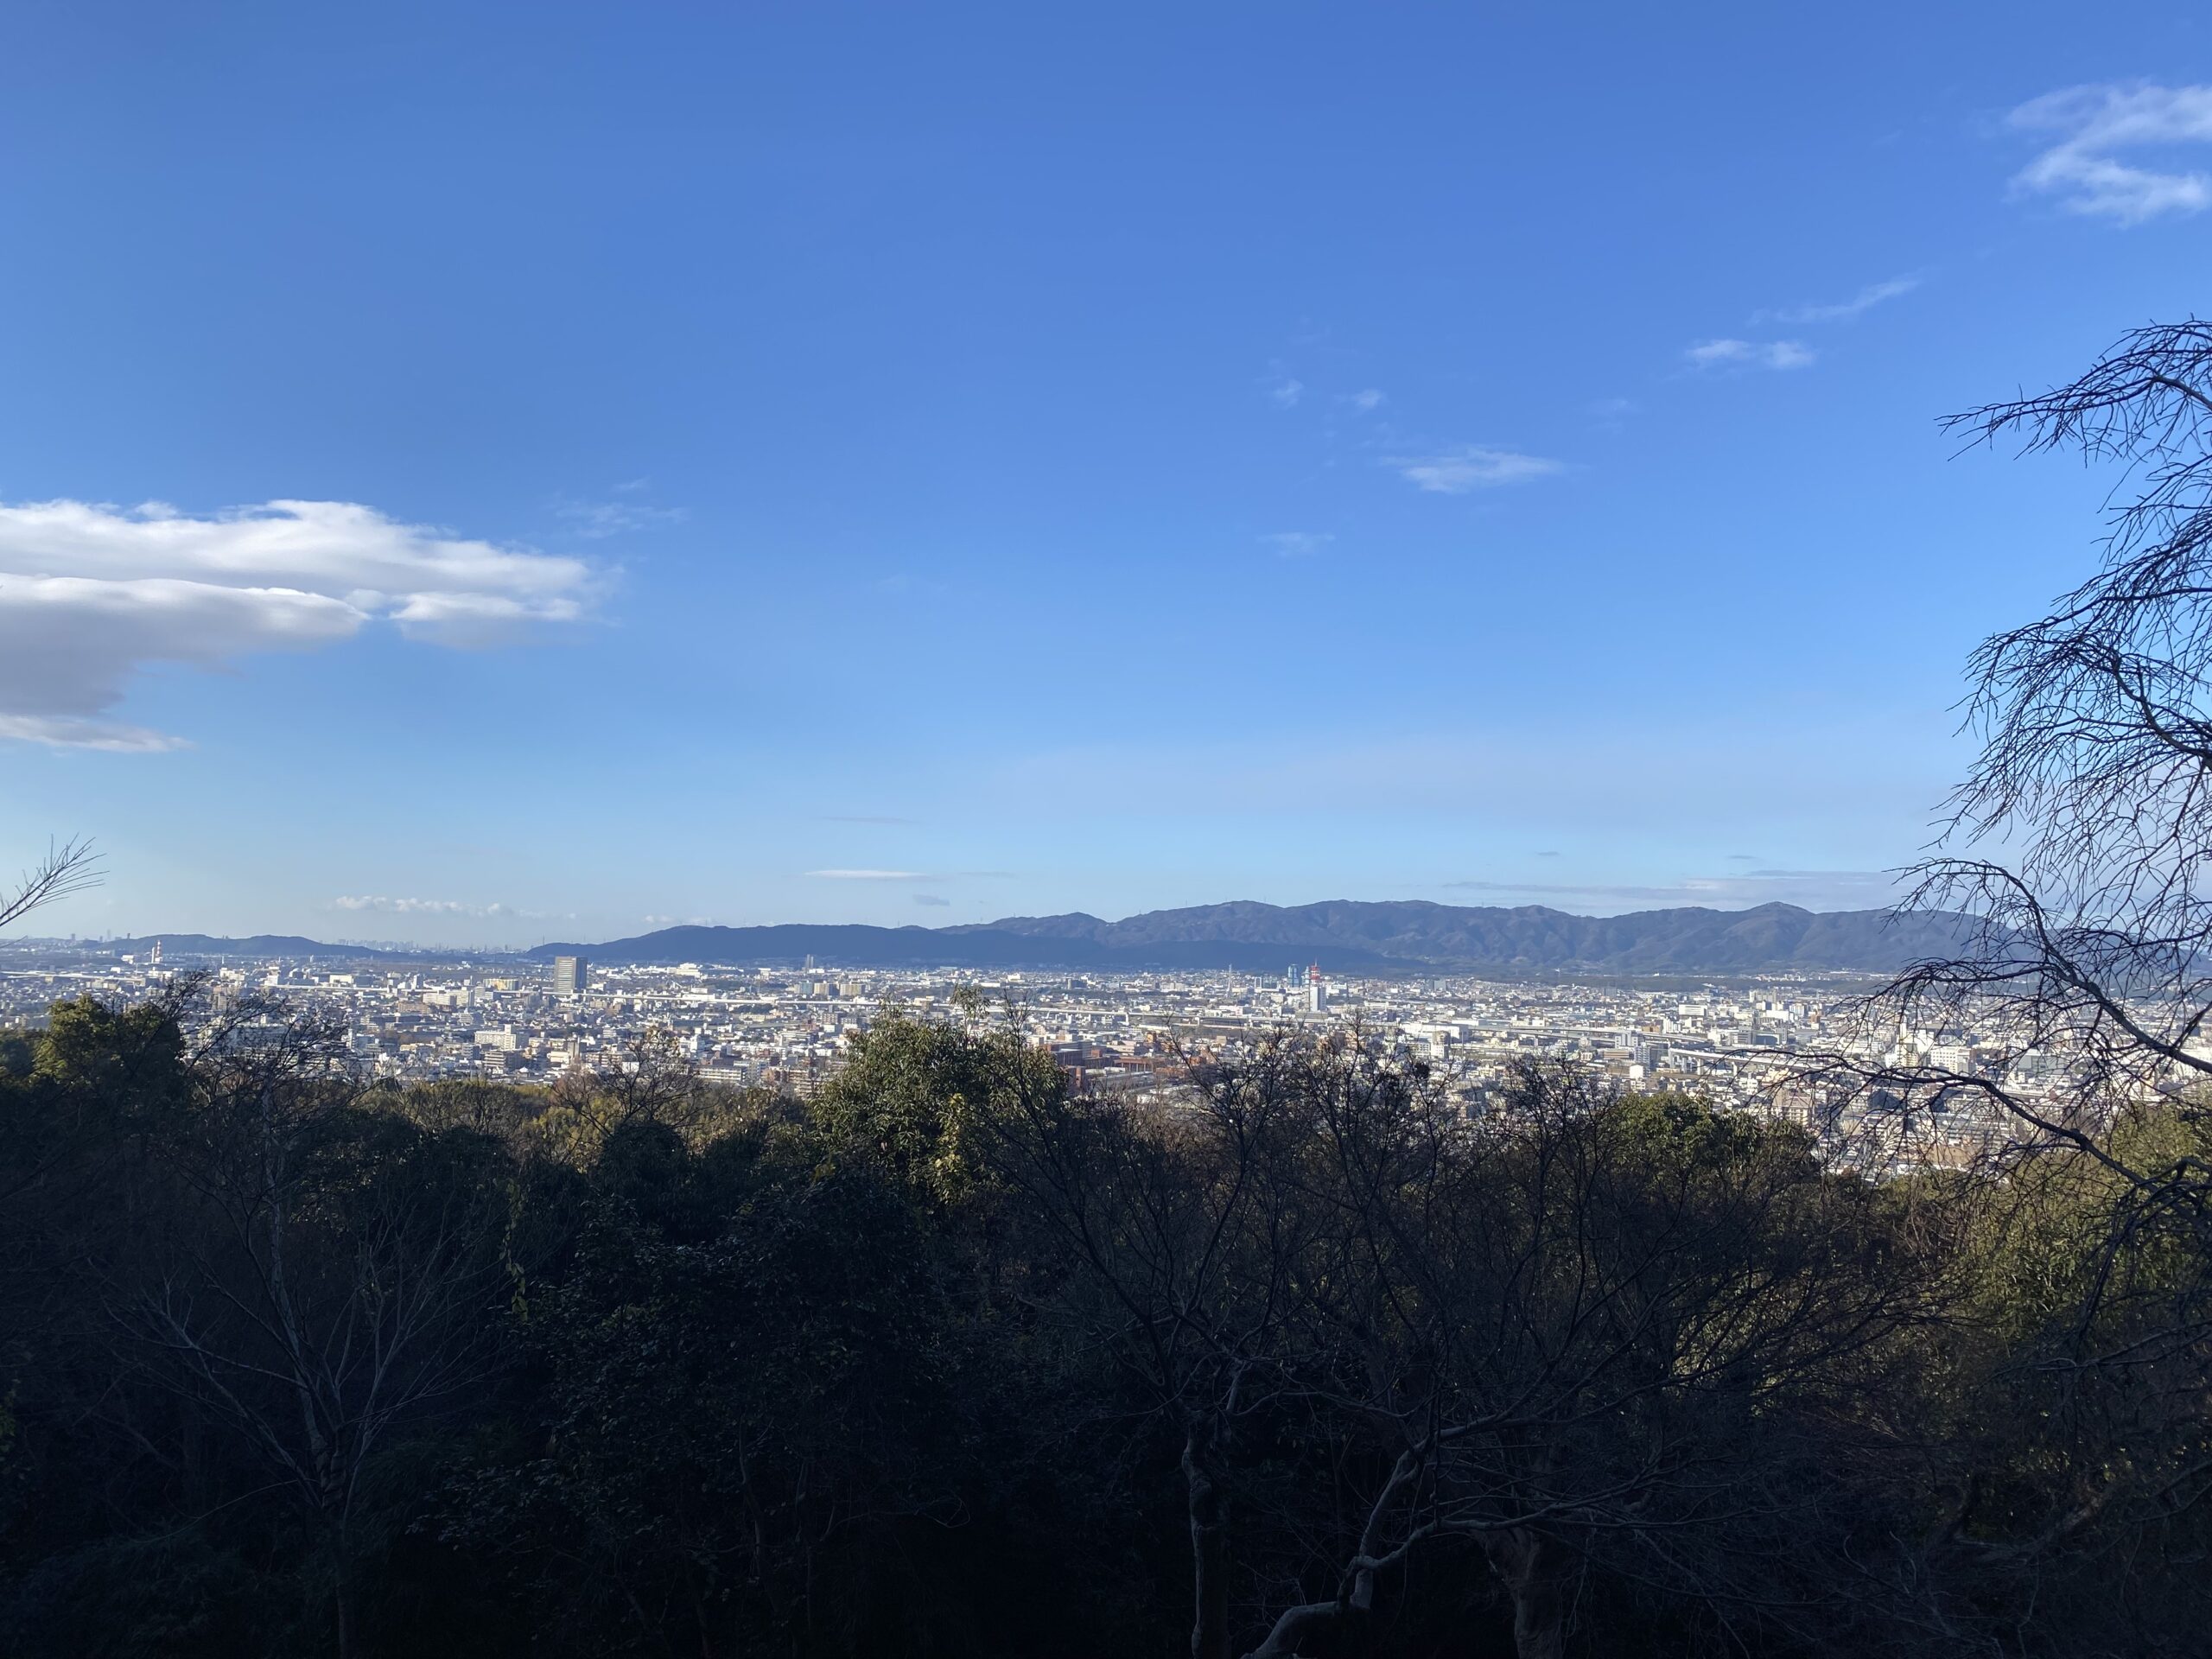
{"x": 1317, "y": 994}
{"x": 570, "y": 975}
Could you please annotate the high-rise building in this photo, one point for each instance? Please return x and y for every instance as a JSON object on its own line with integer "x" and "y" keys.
{"x": 1317, "y": 994}
{"x": 570, "y": 975}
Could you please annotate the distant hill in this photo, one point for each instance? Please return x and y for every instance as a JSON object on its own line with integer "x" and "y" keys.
{"x": 1344, "y": 936}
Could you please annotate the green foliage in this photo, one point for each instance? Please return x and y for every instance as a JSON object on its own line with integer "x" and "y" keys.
{"x": 916, "y": 1097}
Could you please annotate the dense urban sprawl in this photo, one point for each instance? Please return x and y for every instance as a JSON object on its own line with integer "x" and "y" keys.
{"x": 791, "y": 1028}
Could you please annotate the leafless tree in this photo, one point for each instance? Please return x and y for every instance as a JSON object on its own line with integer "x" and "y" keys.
{"x": 69, "y": 866}
{"x": 2079, "y": 850}
{"x": 2081, "y": 843}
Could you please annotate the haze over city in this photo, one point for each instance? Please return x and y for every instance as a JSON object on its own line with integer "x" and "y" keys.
{"x": 472, "y": 478}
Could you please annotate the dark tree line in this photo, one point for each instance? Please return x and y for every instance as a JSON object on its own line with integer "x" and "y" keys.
{"x": 1295, "y": 1359}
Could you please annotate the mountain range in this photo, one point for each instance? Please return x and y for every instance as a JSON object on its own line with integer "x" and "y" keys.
{"x": 1342, "y": 936}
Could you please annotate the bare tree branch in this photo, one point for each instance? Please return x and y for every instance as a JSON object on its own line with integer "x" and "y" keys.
{"x": 69, "y": 866}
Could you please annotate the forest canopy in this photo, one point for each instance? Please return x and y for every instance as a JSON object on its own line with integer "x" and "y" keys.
{"x": 1292, "y": 1357}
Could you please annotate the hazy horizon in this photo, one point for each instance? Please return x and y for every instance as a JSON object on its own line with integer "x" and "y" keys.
{"x": 519, "y": 944}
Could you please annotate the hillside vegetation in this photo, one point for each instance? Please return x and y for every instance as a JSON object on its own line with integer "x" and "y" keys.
{"x": 949, "y": 1360}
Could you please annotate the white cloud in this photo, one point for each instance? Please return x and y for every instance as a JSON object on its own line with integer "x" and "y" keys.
{"x": 1749, "y": 354}
{"x": 1472, "y": 466}
{"x": 1848, "y": 310}
{"x": 930, "y": 898}
{"x": 1299, "y": 543}
{"x": 1369, "y": 401}
{"x": 89, "y": 594}
{"x": 2082, "y": 171}
{"x": 1287, "y": 392}
{"x": 379, "y": 904}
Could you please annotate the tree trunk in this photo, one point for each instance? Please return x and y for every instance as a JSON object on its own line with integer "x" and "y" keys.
{"x": 1535, "y": 1572}
{"x": 345, "y": 1616}
{"x": 1209, "y": 1507}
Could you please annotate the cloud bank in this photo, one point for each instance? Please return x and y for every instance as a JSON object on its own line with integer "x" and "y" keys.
{"x": 89, "y": 594}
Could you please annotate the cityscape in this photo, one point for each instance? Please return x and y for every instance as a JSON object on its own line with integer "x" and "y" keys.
{"x": 1746, "y": 1042}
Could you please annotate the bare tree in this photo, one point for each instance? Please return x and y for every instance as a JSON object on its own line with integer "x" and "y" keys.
{"x": 2079, "y": 850}
{"x": 2083, "y": 834}
{"x": 69, "y": 866}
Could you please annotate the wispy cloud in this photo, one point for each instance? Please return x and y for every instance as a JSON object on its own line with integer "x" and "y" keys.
{"x": 1367, "y": 401}
{"x": 1848, "y": 310}
{"x": 1299, "y": 543}
{"x": 2097, "y": 125}
{"x": 1749, "y": 354}
{"x": 909, "y": 875}
{"x": 930, "y": 898}
{"x": 1285, "y": 391}
{"x": 89, "y": 593}
{"x": 596, "y": 520}
{"x": 1472, "y": 467}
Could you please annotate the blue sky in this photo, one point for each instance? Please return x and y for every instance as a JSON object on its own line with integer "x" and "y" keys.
{"x": 485, "y": 473}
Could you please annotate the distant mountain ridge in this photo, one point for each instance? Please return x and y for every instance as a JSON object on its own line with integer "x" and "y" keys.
{"x": 1343, "y": 936}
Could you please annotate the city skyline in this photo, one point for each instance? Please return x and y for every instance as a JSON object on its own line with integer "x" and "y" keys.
{"x": 488, "y": 485}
